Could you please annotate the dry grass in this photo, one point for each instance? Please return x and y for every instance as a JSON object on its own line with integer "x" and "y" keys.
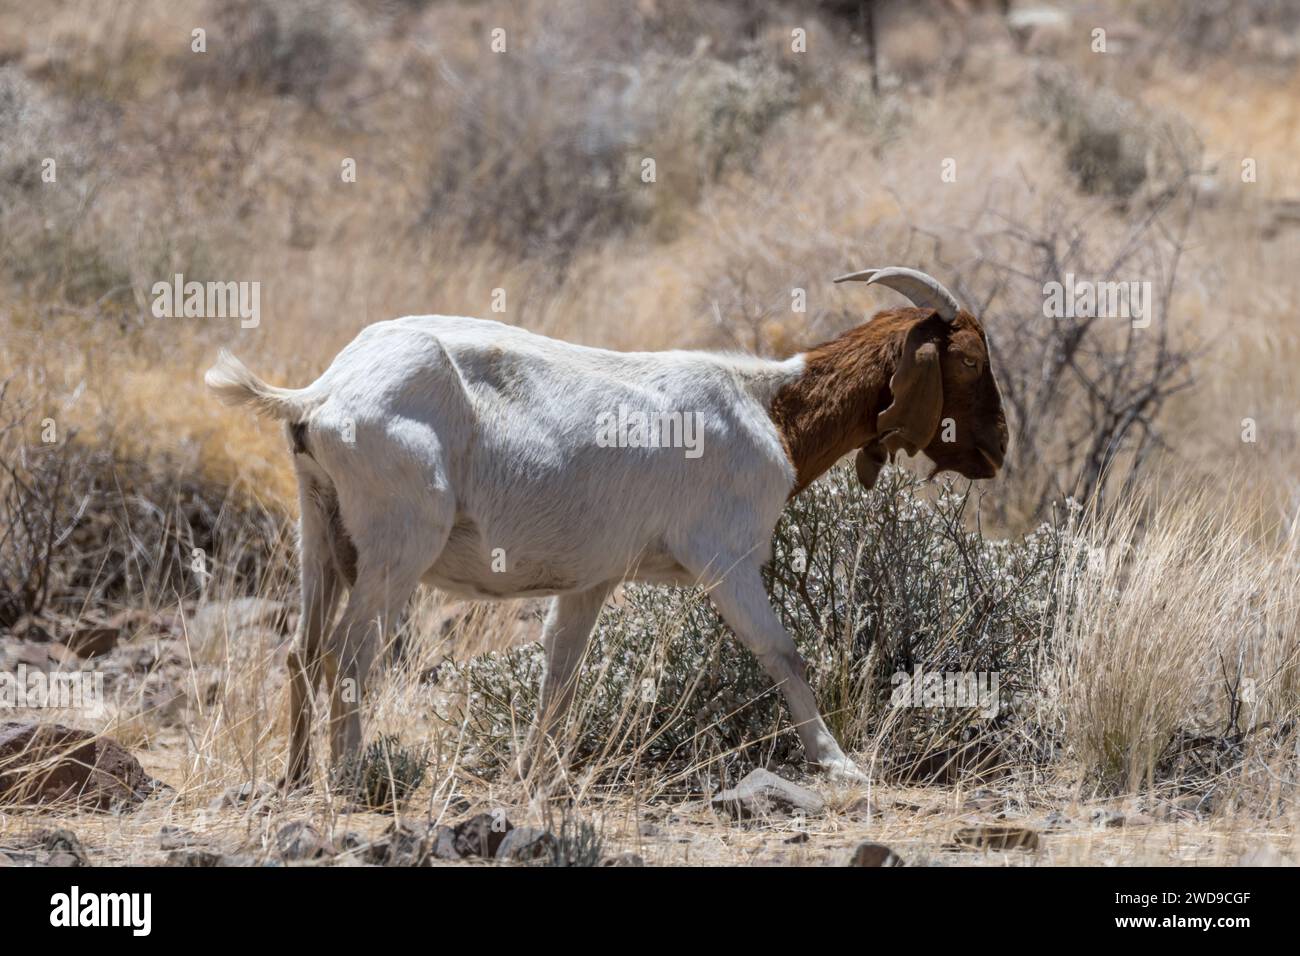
{"x": 770, "y": 182}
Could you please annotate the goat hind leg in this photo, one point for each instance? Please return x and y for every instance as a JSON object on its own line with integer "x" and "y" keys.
{"x": 321, "y": 587}
{"x": 390, "y": 563}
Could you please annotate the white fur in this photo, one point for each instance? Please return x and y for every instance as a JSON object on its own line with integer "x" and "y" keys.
{"x": 474, "y": 465}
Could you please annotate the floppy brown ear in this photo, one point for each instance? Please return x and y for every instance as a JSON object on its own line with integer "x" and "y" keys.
{"x": 917, "y": 386}
{"x": 870, "y": 459}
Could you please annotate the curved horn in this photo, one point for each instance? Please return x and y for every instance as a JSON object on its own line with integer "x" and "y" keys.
{"x": 924, "y": 291}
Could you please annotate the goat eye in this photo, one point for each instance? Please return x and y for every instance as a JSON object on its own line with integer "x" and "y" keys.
{"x": 968, "y": 362}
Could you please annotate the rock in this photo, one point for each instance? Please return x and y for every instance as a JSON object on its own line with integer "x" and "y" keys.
{"x": 49, "y": 848}
{"x": 444, "y": 844}
{"x": 875, "y": 854}
{"x": 457, "y": 805}
{"x": 53, "y": 764}
{"x": 405, "y": 845}
{"x": 196, "y": 857}
{"x": 626, "y": 858}
{"x": 38, "y": 656}
{"x": 300, "y": 841}
{"x": 1103, "y": 818}
{"x": 763, "y": 793}
{"x": 33, "y": 627}
{"x": 481, "y": 835}
{"x": 989, "y": 837}
{"x": 256, "y": 798}
{"x": 174, "y": 838}
{"x": 523, "y": 844}
{"x": 62, "y": 658}
{"x": 94, "y": 641}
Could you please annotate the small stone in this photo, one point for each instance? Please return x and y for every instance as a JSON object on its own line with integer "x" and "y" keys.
{"x": 444, "y": 844}
{"x": 991, "y": 837}
{"x": 94, "y": 641}
{"x": 401, "y": 845}
{"x": 255, "y": 797}
{"x": 193, "y": 856}
{"x": 874, "y": 854}
{"x": 1103, "y": 818}
{"x": 623, "y": 859}
{"x": 523, "y": 844}
{"x": 174, "y": 838}
{"x": 300, "y": 841}
{"x": 481, "y": 835}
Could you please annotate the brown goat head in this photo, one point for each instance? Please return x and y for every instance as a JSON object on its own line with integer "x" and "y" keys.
{"x": 945, "y": 398}
{"x": 946, "y": 401}
{"x": 915, "y": 380}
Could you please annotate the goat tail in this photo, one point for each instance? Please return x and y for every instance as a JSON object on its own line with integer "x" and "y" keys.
{"x": 233, "y": 384}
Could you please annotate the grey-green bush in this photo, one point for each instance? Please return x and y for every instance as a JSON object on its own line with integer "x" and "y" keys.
{"x": 870, "y": 585}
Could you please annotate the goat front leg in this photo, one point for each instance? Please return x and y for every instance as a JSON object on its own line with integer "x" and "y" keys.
{"x": 569, "y": 624}
{"x": 743, "y": 603}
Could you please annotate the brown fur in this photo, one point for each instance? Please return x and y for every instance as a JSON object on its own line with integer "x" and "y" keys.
{"x": 836, "y": 405}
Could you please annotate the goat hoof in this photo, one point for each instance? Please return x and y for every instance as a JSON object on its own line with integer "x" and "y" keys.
{"x": 843, "y": 770}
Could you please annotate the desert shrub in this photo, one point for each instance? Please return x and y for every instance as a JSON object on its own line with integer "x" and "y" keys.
{"x": 81, "y": 529}
{"x": 725, "y": 108}
{"x": 1113, "y": 145}
{"x": 1218, "y": 27}
{"x": 45, "y": 245}
{"x": 544, "y": 154}
{"x": 869, "y": 585}
{"x": 549, "y": 141}
{"x": 298, "y": 48}
{"x": 384, "y": 774}
{"x": 577, "y": 844}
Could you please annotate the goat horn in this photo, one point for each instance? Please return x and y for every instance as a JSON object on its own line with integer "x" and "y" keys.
{"x": 924, "y": 291}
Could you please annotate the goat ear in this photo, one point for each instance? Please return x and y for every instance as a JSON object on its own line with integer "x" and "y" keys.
{"x": 917, "y": 386}
{"x": 870, "y": 459}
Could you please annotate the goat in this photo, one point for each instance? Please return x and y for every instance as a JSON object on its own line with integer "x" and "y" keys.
{"x": 464, "y": 454}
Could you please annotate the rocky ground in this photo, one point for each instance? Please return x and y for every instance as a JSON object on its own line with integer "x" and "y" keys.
{"x": 132, "y": 796}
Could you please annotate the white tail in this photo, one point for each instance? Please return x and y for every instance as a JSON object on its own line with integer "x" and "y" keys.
{"x": 233, "y": 384}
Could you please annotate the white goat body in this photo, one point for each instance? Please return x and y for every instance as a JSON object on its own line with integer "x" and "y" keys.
{"x": 487, "y": 436}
